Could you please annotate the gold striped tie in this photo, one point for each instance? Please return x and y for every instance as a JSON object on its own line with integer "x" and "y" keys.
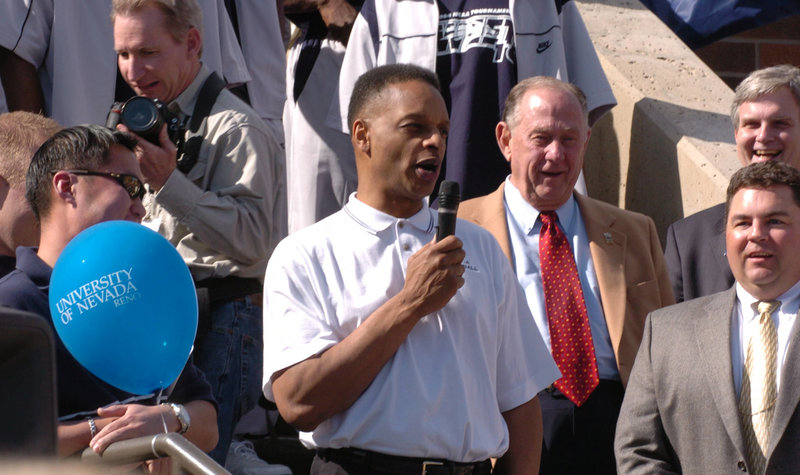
{"x": 759, "y": 389}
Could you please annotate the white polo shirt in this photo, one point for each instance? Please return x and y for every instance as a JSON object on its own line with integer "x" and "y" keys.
{"x": 442, "y": 394}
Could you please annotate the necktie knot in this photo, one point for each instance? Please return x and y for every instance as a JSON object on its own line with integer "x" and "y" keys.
{"x": 548, "y": 217}
{"x": 766, "y": 307}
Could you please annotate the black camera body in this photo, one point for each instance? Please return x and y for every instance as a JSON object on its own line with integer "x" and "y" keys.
{"x": 145, "y": 117}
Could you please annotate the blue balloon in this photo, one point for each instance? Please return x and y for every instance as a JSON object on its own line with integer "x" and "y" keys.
{"x": 124, "y": 304}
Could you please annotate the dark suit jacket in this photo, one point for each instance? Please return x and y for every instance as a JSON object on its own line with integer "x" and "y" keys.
{"x": 627, "y": 258}
{"x": 695, "y": 255}
{"x": 680, "y": 412}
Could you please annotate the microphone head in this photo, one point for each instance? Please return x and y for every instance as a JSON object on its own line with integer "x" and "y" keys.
{"x": 449, "y": 194}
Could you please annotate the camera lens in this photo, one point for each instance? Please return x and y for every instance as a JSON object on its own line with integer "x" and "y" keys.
{"x": 140, "y": 115}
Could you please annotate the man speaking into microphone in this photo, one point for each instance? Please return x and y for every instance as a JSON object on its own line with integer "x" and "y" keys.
{"x": 391, "y": 351}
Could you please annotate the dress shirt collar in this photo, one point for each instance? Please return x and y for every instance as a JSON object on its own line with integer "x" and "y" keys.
{"x": 790, "y": 303}
{"x": 375, "y": 221}
{"x": 526, "y": 215}
{"x": 184, "y": 103}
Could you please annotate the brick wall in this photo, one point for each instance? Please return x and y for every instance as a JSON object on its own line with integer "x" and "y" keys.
{"x": 736, "y": 56}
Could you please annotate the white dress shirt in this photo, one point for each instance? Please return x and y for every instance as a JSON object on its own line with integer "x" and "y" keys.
{"x": 524, "y": 226}
{"x": 744, "y": 324}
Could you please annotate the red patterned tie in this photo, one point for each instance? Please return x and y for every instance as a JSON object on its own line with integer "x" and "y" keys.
{"x": 570, "y": 334}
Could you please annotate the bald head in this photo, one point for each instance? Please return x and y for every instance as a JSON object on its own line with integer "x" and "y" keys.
{"x": 515, "y": 96}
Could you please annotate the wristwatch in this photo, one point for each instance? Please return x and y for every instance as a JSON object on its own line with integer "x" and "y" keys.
{"x": 182, "y": 414}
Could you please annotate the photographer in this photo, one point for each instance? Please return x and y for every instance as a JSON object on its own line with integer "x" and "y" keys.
{"x": 220, "y": 198}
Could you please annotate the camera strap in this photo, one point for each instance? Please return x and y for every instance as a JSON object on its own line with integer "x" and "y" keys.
{"x": 190, "y": 149}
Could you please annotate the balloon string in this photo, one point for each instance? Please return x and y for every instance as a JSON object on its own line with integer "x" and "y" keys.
{"x": 163, "y": 420}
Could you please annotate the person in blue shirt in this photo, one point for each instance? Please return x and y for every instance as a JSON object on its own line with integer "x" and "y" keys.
{"x": 80, "y": 177}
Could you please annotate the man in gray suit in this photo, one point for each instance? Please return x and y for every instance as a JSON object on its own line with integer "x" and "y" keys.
{"x": 766, "y": 122}
{"x": 696, "y": 402}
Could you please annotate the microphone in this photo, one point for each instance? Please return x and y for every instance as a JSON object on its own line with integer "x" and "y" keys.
{"x": 449, "y": 197}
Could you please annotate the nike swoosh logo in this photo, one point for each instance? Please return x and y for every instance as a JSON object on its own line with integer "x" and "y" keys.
{"x": 543, "y": 46}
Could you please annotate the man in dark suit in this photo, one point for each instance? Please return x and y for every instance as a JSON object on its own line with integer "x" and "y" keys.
{"x": 766, "y": 122}
{"x": 716, "y": 384}
{"x": 617, "y": 256}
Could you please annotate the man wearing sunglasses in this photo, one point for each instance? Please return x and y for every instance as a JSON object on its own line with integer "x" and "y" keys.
{"x": 80, "y": 177}
{"x": 132, "y": 184}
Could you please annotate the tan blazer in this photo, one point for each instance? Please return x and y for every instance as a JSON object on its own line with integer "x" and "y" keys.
{"x": 627, "y": 258}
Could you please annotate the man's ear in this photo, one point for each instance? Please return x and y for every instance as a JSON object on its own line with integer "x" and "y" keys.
{"x": 194, "y": 41}
{"x": 360, "y": 134}
{"x": 503, "y": 134}
{"x": 62, "y": 185}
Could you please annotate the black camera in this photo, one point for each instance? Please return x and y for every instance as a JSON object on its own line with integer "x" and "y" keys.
{"x": 145, "y": 117}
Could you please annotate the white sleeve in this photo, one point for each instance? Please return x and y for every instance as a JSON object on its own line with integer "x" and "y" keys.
{"x": 295, "y": 327}
{"x": 359, "y": 57}
{"x": 583, "y": 65}
{"x": 221, "y": 50}
{"x": 262, "y": 47}
{"x": 25, "y": 27}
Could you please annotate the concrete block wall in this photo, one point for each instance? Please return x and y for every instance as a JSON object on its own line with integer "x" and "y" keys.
{"x": 667, "y": 149}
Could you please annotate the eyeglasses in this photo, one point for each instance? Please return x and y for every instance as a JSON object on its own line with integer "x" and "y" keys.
{"x": 132, "y": 184}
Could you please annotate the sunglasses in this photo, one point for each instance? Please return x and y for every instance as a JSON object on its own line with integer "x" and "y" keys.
{"x": 132, "y": 184}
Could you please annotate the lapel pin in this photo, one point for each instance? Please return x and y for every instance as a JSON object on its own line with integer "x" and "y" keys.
{"x": 608, "y": 237}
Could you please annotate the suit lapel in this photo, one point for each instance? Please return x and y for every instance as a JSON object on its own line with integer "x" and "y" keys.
{"x": 789, "y": 393}
{"x": 718, "y": 248}
{"x": 713, "y": 337}
{"x": 607, "y": 247}
{"x": 493, "y": 219}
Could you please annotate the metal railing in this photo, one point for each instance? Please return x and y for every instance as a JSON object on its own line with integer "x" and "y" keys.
{"x": 185, "y": 456}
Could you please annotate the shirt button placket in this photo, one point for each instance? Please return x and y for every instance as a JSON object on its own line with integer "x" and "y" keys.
{"x": 404, "y": 245}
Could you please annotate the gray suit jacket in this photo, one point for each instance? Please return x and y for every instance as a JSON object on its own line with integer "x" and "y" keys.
{"x": 680, "y": 413}
{"x": 695, "y": 255}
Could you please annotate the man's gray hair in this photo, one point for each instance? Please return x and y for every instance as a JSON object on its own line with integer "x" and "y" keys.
{"x": 765, "y": 81}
